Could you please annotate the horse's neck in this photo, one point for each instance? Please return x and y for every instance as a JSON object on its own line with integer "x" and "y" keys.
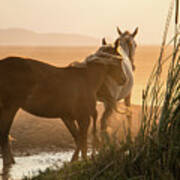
{"x": 127, "y": 68}
{"x": 120, "y": 92}
{"x": 96, "y": 75}
{"x": 126, "y": 58}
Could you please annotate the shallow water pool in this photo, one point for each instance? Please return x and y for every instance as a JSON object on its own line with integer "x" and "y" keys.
{"x": 30, "y": 165}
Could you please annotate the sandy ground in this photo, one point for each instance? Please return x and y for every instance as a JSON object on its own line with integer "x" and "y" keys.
{"x": 35, "y": 134}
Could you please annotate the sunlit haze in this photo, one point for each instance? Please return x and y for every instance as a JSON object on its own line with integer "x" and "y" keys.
{"x": 96, "y": 18}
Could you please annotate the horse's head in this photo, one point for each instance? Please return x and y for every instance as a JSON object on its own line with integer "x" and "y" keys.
{"x": 109, "y": 55}
{"x": 108, "y": 48}
{"x": 127, "y": 43}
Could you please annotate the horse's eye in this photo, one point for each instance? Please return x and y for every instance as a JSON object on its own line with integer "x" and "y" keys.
{"x": 129, "y": 42}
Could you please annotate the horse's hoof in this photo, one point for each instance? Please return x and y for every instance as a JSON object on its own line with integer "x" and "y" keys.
{"x": 13, "y": 161}
{"x": 9, "y": 163}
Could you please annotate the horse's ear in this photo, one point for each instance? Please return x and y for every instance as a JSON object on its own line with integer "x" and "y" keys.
{"x": 104, "y": 41}
{"x": 135, "y": 32}
{"x": 116, "y": 43}
{"x": 119, "y": 31}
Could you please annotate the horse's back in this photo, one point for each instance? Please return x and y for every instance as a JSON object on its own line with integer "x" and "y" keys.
{"x": 22, "y": 69}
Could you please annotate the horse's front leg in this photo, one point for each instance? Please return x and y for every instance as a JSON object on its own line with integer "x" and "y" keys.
{"x": 95, "y": 141}
{"x": 127, "y": 102}
{"x": 108, "y": 110}
{"x": 75, "y": 155}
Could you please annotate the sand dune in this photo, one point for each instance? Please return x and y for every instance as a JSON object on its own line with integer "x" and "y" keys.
{"x": 25, "y": 37}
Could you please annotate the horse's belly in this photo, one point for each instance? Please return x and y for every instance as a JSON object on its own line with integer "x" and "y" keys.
{"x": 42, "y": 103}
{"x": 43, "y": 110}
{"x": 50, "y": 106}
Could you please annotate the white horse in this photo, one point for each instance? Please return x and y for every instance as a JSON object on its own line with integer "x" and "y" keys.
{"x": 110, "y": 93}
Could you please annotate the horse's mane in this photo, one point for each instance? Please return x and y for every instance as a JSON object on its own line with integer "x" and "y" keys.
{"x": 77, "y": 64}
{"x": 101, "y": 55}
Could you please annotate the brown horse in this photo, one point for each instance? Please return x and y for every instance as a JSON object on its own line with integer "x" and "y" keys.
{"x": 111, "y": 95}
{"x": 47, "y": 91}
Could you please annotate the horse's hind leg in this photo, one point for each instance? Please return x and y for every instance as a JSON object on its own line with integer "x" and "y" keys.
{"x": 71, "y": 126}
{"x": 83, "y": 122}
{"x": 6, "y": 119}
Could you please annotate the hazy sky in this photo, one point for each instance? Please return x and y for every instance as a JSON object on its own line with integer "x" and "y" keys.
{"x": 96, "y": 18}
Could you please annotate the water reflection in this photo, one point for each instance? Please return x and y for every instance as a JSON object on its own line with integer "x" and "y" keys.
{"x": 30, "y": 165}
